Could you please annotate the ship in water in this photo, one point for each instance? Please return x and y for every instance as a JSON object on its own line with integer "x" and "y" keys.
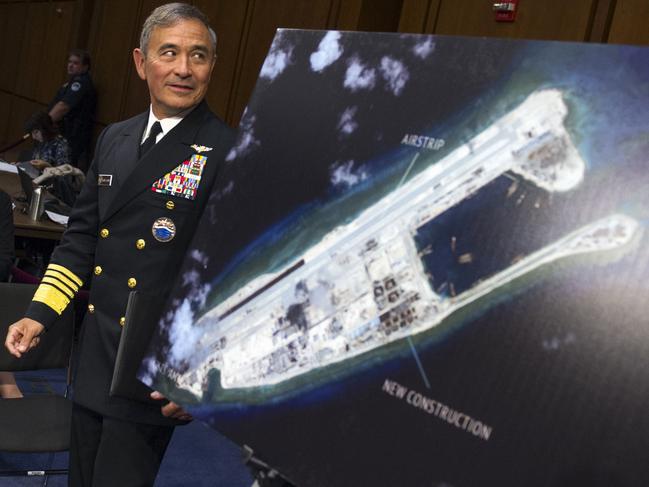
{"x": 365, "y": 284}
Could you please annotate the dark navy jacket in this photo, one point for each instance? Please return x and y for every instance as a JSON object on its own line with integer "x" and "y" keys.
{"x": 110, "y": 240}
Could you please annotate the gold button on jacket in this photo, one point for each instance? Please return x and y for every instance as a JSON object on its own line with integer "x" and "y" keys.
{"x": 104, "y": 232}
{"x": 132, "y": 282}
{"x": 170, "y": 205}
{"x": 122, "y": 321}
{"x": 91, "y": 308}
{"x": 98, "y": 270}
{"x": 140, "y": 243}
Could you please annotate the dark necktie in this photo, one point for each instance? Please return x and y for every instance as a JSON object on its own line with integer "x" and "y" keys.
{"x": 156, "y": 128}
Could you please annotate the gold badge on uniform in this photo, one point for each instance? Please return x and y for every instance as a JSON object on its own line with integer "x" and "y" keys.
{"x": 163, "y": 229}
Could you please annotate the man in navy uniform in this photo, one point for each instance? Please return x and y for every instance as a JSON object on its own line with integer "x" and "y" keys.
{"x": 73, "y": 106}
{"x": 129, "y": 230}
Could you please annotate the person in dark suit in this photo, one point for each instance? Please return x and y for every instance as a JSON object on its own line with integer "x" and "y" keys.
{"x": 129, "y": 230}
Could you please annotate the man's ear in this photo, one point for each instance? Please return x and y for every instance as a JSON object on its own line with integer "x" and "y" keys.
{"x": 138, "y": 58}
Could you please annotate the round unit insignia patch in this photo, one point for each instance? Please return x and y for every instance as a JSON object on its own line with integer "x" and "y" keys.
{"x": 163, "y": 229}
{"x": 76, "y": 86}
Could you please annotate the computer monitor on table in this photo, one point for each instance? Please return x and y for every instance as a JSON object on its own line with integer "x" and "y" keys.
{"x": 27, "y": 184}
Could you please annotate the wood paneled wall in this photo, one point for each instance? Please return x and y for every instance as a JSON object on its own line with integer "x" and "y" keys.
{"x": 630, "y": 22}
{"x": 245, "y": 30}
{"x": 35, "y": 36}
{"x": 576, "y": 20}
{"x": 34, "y": 39}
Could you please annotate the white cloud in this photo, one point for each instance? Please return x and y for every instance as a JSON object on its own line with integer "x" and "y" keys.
{"x": 343, "y": 174}
{"x": 148, "y": 370}
{"x": 191, "y": 278}
{"x": 329, "y": 50}
{"x": 347, "y": 124}
{"x": 395, "y": 74}
{"x": 424, "y": 49}
{"x": 358, "y": 76}
{"x": 183, "y": 336}
{"x": 246, "y": 140}
{"x": 197, "y": 292}
{"x": 228, "y": 188}
{"x": 200, "y": 257}
{"x": 275, "y": 63}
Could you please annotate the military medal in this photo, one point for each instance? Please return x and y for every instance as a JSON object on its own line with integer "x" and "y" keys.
{"x": 163, "y": 229}
{"x": 184, "y": 180}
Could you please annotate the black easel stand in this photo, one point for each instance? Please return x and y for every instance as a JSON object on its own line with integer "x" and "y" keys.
{"x": 264, "y": 475}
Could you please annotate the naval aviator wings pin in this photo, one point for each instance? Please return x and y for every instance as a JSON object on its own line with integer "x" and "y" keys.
{"x": 183, "y": 180}
{"x": 201, "y": 148}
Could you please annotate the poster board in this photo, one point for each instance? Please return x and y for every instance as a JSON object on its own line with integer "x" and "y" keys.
{"x": 425, "y": 263}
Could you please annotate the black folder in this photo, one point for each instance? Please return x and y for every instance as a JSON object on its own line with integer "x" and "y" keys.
{"x": 142, "y": 314}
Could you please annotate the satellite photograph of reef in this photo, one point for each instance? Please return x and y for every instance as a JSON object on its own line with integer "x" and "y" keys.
{"x": 425, "y": 252}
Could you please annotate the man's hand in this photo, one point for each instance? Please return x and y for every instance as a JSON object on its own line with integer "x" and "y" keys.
{"x": 171, "y": 409}
{"x": 22, "y": 336}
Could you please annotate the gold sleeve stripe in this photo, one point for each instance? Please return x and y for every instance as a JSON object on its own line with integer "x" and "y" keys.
{"x": 67, "y": 272}
{"x": 57, "y": 284}
{"x": 52, "y": 297}
{"x": 61, "y": 277}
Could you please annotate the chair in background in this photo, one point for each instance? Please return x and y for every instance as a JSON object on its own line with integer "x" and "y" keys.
{"x": 35, "y": 423}
{"x": 23, "y": 277}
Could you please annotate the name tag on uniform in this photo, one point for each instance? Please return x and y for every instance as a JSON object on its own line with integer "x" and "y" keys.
{"x": 104, "y": 180}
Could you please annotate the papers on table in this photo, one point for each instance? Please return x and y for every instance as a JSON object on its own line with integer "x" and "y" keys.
{"x": 56, "y": 217}
{"x": 6, "y": 167}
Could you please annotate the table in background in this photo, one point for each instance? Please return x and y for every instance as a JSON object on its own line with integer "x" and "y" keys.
{"x": 23, "y": 225}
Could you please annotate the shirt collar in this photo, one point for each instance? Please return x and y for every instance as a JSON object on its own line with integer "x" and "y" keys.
{"x": 166, "y": 123}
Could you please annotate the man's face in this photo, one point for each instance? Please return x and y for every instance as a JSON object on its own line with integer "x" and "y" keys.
{"x": 75, "y": 66}
{"x": 177, "y": 67}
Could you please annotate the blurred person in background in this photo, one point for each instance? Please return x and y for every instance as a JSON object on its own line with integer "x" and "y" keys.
{"x": 50, "y": 148}
{"x": 51, "y": 156}
{"x": 73, "y": 107}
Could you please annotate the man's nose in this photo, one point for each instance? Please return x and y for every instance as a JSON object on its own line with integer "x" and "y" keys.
{"x": 183, "y": 67}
